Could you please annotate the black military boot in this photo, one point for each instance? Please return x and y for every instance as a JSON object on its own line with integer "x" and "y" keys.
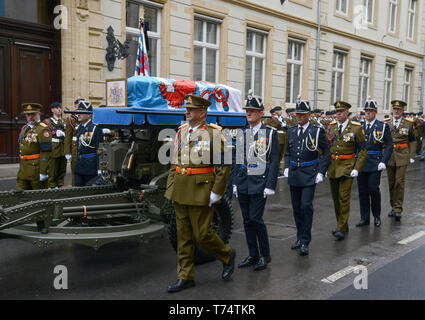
{"x": 41, "y": 227}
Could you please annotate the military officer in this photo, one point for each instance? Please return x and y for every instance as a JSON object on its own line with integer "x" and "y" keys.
{"x": 404, "y": 142}
{"x": 255, "y": 180}
{"x": 88, "y": 138}
{"x": 379, "y": 145}
{"x": 70, "y": 141}
{"x": 345, "y": 137}
{"x": 277, "y": 122}
{"x": 35, "y": 147}
{"x": 305, "y": 167}
{"x": 195, "y": 184}
{"x": 57, "y": 164}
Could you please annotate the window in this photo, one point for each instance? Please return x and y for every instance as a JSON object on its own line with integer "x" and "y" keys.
{"x": 388, "y": 85}
{"x": 206, "y": 48}
{"x": 364, "y": 81}
{"x": 338, "y": 74}
{"x": 255, "y": 61}
{"x": 342, "y": 7}
{"x": 294, "y": 70}
{"x": 392, "y": 24}
{"x": 411, "y": 20}
{"x": 152, "y": 17}
{"x": 370, "y": 10}
{"x": 407, "y": 85}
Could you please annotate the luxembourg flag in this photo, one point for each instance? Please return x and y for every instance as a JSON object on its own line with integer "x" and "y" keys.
{"x": 142, "y": 61}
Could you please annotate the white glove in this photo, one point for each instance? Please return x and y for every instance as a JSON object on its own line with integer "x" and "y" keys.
{"x": 381, "y": 166}
{"x": 99, "y": 172}
{"x": 326, "y": 174}
{"x": 412, "y": 160}
{"x": 60, "y": 133}
{"x": 68, "y": 156}
{"x": 354, "y": 173}
{"x": 43, "y": 177}
{"x": 214, "y": 197}
{"x": 286, "y": 173}
{"x": 268, "y": 192}
{"x": 106, "y": 131}
{"x": 319, "y": 178}
{"x": 235, "y": 191}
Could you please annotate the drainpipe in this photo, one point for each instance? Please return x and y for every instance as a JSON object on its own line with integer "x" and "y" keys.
{"x": 316, "y": 77}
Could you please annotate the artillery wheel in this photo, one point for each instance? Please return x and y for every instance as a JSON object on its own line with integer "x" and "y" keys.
{"x": 222, "y": 224}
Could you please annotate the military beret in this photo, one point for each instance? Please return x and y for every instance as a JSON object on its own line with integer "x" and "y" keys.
{"x": 196, "y": 102}
{"x": 274, "y": 109}
{"x": 288, "y": 110}
{"x": 398, "y": 104}
{"x": 31, "y": 107}
{"x": 56, "y": 105}
{"x": 342, "y": 105}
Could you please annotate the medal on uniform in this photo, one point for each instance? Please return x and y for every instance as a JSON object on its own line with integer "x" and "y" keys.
{"x": 347, "y": 137}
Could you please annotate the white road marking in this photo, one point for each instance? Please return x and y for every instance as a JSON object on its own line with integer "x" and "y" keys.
{"x": 414, "y": 237}
{"x": 338, "y": 275}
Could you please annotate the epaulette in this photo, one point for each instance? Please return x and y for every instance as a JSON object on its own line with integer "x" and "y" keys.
{"x": 215, "y": 126}
{"x": 409, "y": 120}
{"x": 183, "y": 125}
{"x": 333, "y": 122}
{"x": 356, "y": 123}
{"x": 271, "y": 128}
{"x": 43, "y": 124}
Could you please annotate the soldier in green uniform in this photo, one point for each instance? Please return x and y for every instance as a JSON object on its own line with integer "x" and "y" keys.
{"x": 195, "y": 184}
{"x": 279, "y": 123}
{"x": 35, "y": 146}
{"x": 404, "y": 141}
{"x": 57, "y": 164}
{"x": 70, "y": 147}
{"x": 345, "y": 138}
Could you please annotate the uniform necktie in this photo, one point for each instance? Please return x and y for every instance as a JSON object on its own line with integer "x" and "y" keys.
{"x": 340, "y": 129}
{"x": 368, "y": 127}
{"x": 190, "y": 132}
{"x": 301, "y": 132}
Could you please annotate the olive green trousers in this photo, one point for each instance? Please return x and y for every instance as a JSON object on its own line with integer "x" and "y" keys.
{"x": 341, "y": 195}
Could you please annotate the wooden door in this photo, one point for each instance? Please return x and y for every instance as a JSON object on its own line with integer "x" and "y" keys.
{"x": 6, "y": 114}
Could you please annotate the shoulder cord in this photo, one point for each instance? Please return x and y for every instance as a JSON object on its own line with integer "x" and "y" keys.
{"x": 382, "y": 137}
{"x": 314, "y": 144}
{"x": 85, "y": 144}
{"x": 252, "y": 149}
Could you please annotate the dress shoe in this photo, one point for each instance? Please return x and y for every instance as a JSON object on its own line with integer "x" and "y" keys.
{"x": 296, "y": 245}
{"x": 363, "y": 223}
{"x": 334, "y": 231}
{"x": 181, "y": 285}
{"x": 229, "y": 267}
{"x": 391, "y": 214}
{"x": 339, "y": 235}
{"x": 41, "y": 227}
{"x": 397, "y": 216}
{"x": 304, "y": 250}
{"x": 377, "y": 221}
{"x": 249, "y": 261}
{"x": 262, "y": 263}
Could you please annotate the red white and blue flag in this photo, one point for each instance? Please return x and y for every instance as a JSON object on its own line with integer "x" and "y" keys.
{"x": 142, "y": 61}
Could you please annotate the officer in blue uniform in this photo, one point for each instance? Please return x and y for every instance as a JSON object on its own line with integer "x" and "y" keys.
{"x": 88, "y": 138}
{"x": 255, "y": 179}
{"x": 379, "y": 145}
{"x": 307, "y": 159}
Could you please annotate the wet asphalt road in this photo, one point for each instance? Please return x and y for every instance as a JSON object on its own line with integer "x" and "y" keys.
{"x": 143, "y": 271}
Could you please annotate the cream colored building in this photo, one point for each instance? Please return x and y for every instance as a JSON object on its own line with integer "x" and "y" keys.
{"x": 367, "y": 47}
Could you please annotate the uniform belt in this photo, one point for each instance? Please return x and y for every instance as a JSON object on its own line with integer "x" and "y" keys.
{"x": 30, "y": 156}
{"x": 191, "y": 171}
{"x": 74, "y": 138}
{"x": 374, "y": 152}
{"x": 56, "y": 140}
{"x": 281, "y": 131}
{"x": 304, "y": 164}
{"x": 401, "y": 145}
{"x": 343, "y": 156}
{"x": 87, "y": 155}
